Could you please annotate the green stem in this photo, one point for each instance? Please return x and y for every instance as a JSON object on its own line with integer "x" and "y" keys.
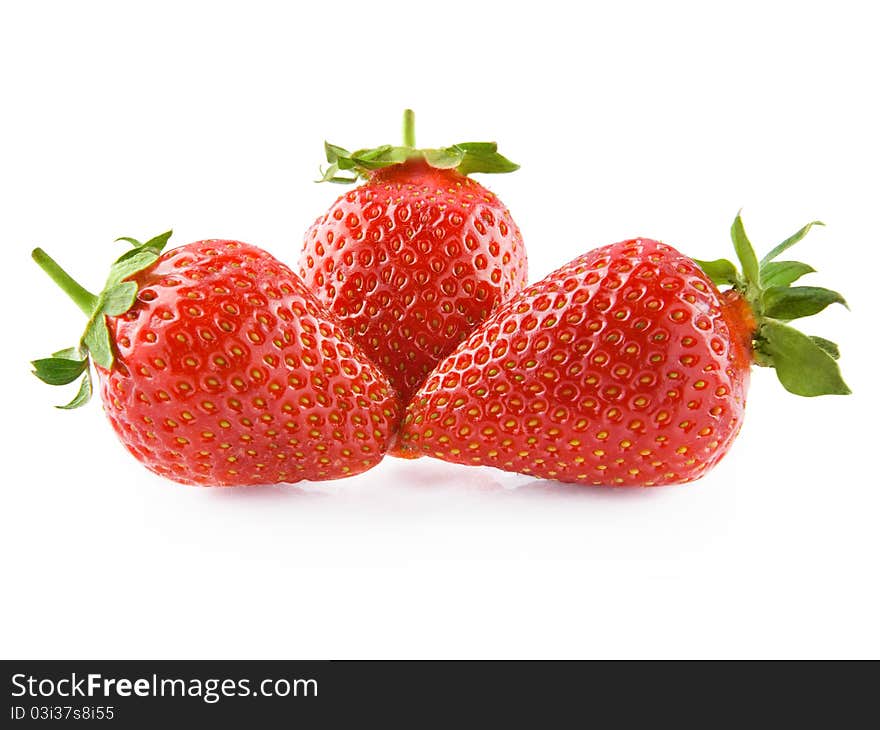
{"x": 409, "y": 128}
{"x": 83, "y": 298}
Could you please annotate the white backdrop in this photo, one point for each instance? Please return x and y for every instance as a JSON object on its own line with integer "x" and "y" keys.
{"x": 654, "y": 119}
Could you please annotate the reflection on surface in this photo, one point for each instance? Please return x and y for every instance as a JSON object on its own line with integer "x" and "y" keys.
{"x": 427, "y": 479}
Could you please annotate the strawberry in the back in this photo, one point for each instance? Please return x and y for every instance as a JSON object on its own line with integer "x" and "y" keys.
{"x": 218, "y": 367}
{"x": 416, "y": 257}
{"x": 625, "y": 367}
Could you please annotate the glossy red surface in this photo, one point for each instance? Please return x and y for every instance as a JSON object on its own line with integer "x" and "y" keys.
{"x": 624, "y": 367}
{"x": 229, "y": 372}
{"x": 411, "y": 262}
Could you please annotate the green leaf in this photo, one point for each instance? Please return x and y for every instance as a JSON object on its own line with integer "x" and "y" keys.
{"x": 483, "y": 157}
{"x": 82, "y": 395}
{"x": 333, "y": 152}
{"x": 466, "y": 157}
{"x": 446, "y": 158}
{"x": 371, "y": 153}
{"x": 119, "y": 299}
{"x": 153, "y": 246}
{"x": 329, "y": 175}
{"x": 744, "y": 251}
{"x": 129, "y": 264}
{"x": 720, "y": 271}
{"x": 790, "y": 241}
{"x": 345, "y": 163}
{"x": 97, "y": 340}
{"x": 802, "y": 366}
{"x": 377, "y": 158}
{"x": 137, "y": 259}
{"x": 783, "y": 273}
{"x": 58, "y": 370}
{"x": 157, "y": 243}
{"x": 116, "y": 298}
{"x": 70, "y": 353}
{"x": 786, "y": 303}
{"x": 397, "y": 154}
{"x": 830, "y": 347}
{"x": 481, "y": 148}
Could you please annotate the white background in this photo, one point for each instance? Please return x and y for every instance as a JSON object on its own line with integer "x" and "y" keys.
{"x": 654, "y": 119}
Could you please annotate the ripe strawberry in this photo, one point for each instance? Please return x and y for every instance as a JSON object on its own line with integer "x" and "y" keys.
{"x": 625, "y": 367}
{"x": 218, "y": 367}
{"x": 416, "y": 257}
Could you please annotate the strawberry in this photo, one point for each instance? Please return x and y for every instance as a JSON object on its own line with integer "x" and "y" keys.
{"x": 415, "y": 258}
{"x": 218, "y": 367}
{"x": 625, "y": 367}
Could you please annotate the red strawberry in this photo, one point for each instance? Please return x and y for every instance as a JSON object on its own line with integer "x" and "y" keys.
{"x": 416, "y": 257}
{"x": 625, "y": 367}
{"x": 218, "y": 367}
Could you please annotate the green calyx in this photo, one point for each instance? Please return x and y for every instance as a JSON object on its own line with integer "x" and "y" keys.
{"x": 346, "y": 167}
{"x": 805, "y": 365}
{"x": 117, "y": 297}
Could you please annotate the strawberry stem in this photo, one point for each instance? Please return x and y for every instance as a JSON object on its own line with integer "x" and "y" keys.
{"x": 805, "y": 365}
{"x": 116, "y": 298}
{"x": 346, "y": 167}
{"x": 409, "y": 128}
{"x": 83, "y": 298}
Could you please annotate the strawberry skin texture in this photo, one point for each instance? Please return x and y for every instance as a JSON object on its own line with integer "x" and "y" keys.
{"x": 626, "y": 367}
{"x": 228, "y": 373}
{"x": 411, "y": 262}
